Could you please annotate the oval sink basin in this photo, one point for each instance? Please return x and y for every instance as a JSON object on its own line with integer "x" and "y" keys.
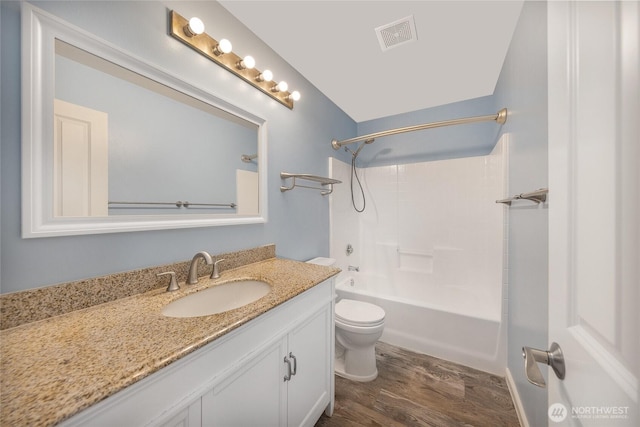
{"x": 217, "y": 299}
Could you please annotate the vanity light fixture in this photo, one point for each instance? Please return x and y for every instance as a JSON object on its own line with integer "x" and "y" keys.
{"x": 265, "y": 76}
{"x": 223, "y": 46}
{"x": 247, "y": 63}
{"x": 195, "y": 27}
{"x": 281, "y": 87}
{"x": 294, "y": 96}
{"x": 221, "y": 53}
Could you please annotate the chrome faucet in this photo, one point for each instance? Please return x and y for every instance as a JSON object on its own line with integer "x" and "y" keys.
{"x": 192, "y": 278}
{"x": 353, "y": 268}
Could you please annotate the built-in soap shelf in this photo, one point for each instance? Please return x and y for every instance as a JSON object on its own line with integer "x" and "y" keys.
{"x": 306, "y": 177}
{"x": 538, "y": 196}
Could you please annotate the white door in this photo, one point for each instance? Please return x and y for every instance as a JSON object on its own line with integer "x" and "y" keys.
{"x": 81, "y": 182}
{"x": 247, "y": 197}
{"x": 593, "y": 211}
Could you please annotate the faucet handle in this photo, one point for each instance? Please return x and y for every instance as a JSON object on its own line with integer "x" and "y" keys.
{"x": 173, "y": 284}
{"x": 216, "y": 272}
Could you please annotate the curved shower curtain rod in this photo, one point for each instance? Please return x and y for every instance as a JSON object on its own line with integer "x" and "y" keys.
{"x": 500, "y": 117}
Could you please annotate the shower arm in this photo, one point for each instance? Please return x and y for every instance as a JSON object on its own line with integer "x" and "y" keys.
{"x": 354, "y": 154}
{"x": 500, "y": 117}
{"x": 248, "y": 158}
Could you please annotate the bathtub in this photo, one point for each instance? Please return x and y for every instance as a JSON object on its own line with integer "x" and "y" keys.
{"x": 451, "y": 323}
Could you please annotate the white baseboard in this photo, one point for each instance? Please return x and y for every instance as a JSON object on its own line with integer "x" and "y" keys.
{"x": 522, "y": 417}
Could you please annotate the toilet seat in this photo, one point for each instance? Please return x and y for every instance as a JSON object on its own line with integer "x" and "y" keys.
{"x": 358, "y": 313}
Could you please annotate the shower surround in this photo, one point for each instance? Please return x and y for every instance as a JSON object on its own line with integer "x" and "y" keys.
{"x": 429, "y": 248}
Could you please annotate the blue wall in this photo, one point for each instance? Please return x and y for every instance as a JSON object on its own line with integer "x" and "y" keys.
{"x": 449, "y": 142}
{"x": 298, "y": 141}
{"x": 522, "y": 87}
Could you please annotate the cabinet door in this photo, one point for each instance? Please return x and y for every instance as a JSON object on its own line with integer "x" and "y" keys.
{"x": 253, "y": 395}
{"x": 309, "y": 389}
{"x": 188, "y": 417}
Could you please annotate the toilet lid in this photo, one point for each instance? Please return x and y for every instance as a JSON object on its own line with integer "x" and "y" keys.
{"x": 359, "y": 313}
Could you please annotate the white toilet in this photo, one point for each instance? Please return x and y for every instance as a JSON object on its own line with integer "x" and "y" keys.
{"x": 359, "y": 324}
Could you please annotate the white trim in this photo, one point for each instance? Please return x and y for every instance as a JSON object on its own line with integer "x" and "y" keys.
{"x": 39, "y": 29}
{"x": 515, "y": 397}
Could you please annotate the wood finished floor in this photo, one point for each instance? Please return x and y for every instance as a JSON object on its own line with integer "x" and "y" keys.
{"x": 418, "y": 390}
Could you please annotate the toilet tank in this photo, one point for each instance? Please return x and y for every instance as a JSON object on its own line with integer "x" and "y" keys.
{"x": 322, "y": 261}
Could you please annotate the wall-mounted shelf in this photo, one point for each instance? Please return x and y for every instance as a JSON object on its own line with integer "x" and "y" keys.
{"x": 538, "y": 196}
{"x": 303, "y": 176}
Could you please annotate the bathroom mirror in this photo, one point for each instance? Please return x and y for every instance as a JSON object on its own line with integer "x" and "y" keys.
{"x": 113, "y": 144}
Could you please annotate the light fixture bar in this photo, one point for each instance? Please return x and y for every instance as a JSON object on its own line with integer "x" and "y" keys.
{"x": 205, "y": 45}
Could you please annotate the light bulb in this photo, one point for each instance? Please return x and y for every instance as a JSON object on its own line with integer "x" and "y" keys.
{"x": 223, "y": 46}
{"x": 247, "y": 63}
{"x": 194, "y": 28}
{"x": 265, "y": 76}
{"x": 281, "y": 87}
{"x": 294, "y": 96}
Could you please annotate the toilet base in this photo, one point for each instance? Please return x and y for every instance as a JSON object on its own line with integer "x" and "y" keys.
{"x": 339, "y": 369}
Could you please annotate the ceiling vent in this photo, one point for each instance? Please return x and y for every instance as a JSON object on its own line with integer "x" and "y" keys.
{"x": 397, "y": 33}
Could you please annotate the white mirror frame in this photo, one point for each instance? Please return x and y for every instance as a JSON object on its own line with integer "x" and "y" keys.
{"x": 39, "y": 31}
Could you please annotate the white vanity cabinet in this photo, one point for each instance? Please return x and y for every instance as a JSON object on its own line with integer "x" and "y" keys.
{"x": 239, "y": 379}
{"x": 285, "y": 384}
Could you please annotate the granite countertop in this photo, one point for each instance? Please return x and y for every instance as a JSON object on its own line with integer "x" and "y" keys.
{"x": 53, "y": 368}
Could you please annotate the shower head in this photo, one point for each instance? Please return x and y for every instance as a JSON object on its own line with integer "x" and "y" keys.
{"x": 355, "y": 154}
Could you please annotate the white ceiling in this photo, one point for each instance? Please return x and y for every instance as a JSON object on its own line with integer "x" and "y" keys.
{"x": 458, "y": 55}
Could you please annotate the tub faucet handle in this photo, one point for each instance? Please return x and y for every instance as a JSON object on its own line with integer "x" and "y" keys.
{"x": 353, "y": 268}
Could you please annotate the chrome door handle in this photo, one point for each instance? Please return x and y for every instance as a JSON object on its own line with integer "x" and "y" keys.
{"x": 553, "y": 358}
{"x": 287, "y": 377}
{"x": 295, "y": 363}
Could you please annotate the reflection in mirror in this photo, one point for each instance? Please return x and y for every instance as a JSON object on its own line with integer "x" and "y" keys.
{"x": 126, "y": 145}
{"x": 114, "y": 144}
